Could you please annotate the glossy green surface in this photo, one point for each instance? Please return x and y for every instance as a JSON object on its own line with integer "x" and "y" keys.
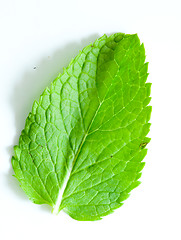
{"x": 87, "y": 133}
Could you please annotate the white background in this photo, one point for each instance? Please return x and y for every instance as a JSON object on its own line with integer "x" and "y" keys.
{"x": 45, "y": 35}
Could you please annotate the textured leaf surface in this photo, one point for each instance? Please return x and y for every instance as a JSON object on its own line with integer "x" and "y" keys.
{"x": 84, "y": 141}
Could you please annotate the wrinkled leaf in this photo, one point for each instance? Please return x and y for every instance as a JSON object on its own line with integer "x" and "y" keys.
{"x": 83, "y": 144}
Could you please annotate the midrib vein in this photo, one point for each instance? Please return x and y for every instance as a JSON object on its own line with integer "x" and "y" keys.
{"x": 62, "y": 190}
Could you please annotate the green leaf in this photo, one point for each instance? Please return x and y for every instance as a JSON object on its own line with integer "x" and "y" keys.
{"x": 83, "y": 144}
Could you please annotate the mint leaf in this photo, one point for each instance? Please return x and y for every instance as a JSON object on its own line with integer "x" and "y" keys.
{"x": 83, "y": 144}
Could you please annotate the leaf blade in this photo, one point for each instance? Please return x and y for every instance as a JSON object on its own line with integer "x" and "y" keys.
{"x": 84, "y": 133}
